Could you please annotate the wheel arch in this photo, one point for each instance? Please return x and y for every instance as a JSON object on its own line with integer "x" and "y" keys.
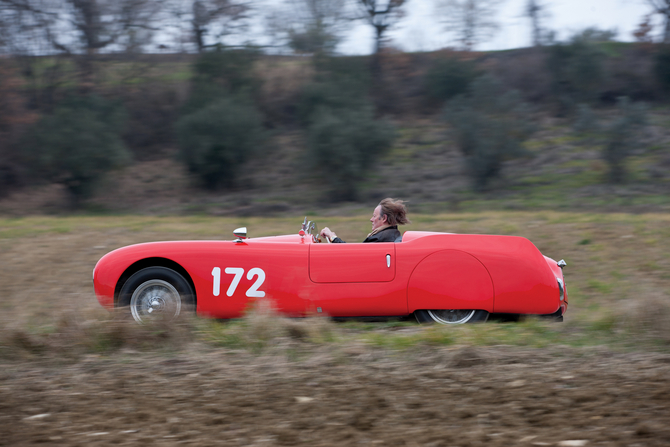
{"x": 450, "y": 279}
{"x": 153, "y": 262}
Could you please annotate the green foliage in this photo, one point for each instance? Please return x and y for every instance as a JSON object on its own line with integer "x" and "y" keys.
{"x": 344, "y": 138}
{"x": 356, "y": 69}
{"x": 341, "y": 94}
{"x": 662, "y": 66}
{"x": 152, "y": 112}
{"x": 447, "y": 78}
{"x": 623, "y": 136}
{"x": 577, "y": 70}
{"x": 490, "y": 126}
{"x": 341, "y": 83}
{"x": 618, "y": 138}
{"x": 220, "y": 127}
{"x": 343, "y": 145}
{"x": 230, "y": 69}
{"x": 586, "y": 122}
{"x": 77, "y": 144}
{"x": 217, "y": 139}
{"x": 202, "y": 95}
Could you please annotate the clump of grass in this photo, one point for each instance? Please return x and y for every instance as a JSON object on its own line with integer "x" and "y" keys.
{"x": 75, "y": 334}
{"x": 263, "y": 328}
{"x": 648, "y": 316}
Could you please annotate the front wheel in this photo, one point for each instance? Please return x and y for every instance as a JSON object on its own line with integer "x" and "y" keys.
{"x": 451, "y": 316}
{"x": 156, "y": 293}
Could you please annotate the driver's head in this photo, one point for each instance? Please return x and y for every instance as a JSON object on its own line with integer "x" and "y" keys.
{"x": 390, "y": 212}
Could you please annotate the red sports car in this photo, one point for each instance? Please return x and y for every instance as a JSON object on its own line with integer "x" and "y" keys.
{"x": 437, "y": 277}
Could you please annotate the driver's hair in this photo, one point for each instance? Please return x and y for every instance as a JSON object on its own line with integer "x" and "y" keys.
{"x": 395, "y": 211}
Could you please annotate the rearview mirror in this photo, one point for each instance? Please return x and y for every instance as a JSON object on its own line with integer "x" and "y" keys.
{"x": 241, "y": 233}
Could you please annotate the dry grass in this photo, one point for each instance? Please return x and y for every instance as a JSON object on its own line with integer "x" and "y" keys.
{"x": 77, "y": 334}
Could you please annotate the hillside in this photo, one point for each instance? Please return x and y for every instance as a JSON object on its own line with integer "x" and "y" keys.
{"x": 423, "y": 167}
{"x": 560, "y": 169}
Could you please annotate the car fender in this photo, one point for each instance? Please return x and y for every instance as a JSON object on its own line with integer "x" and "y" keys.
{"x": 450, "y": 279}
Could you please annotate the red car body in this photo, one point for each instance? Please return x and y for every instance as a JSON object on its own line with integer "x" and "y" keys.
{"x": 495, "y": 274}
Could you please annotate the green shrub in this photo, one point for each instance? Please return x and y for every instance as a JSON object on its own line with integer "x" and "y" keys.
{"x": 622, "y": 136}
{"x": 222, "y": 73}
{"x": 215, "y": 140}
{"x": 662, "y": 66}
{"x": 77, "y": 144}
{"x": 343, "y": 145}
{"x": 343, "y": 94}
{"x": 447, "y": 78}
{"x": 490, "y": 126}
{"x": 232, "y": 69}
{"x": 340, "y": 83}
{"x": 577, "y": 70}
{"x": 152, "y": 111}
{"x": 586, "y": 122}
{"x": 617, "y": 138}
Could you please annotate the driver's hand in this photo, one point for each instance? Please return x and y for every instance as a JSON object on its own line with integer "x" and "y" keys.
{"x": 327, "y": 233}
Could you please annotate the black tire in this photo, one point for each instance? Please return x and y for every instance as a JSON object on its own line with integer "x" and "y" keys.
{"x": 451, "y": 316}
{"x": 156, "y": 293}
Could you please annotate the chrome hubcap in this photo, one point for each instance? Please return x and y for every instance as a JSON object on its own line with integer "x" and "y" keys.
{"x": 451, "y": 316}
{"x": 155, "y": 299}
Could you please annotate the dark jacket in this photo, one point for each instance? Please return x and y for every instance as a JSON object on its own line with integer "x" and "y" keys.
{"x": 389, "y": 234}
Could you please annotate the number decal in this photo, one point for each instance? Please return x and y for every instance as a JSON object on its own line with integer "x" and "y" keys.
{"x": 216, "y": 273}
{"x": 253, "y": 290}
{"x": 239, "y": 272}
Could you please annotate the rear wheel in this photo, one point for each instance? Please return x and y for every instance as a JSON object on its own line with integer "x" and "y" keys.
{"x": 156, "y": 293}
{"x": 451, "y": 316}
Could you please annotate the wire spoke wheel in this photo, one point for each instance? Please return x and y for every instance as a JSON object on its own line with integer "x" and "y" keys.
{"x": 155, "y": 293}
{"x": 451, "y": 316}
{"x": 155, "y": 299}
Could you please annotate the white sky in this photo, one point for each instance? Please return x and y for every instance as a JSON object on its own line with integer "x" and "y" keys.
{"x": 420, "y": 29}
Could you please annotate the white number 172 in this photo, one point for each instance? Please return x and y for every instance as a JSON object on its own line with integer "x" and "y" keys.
{"x": 239, "y": 272}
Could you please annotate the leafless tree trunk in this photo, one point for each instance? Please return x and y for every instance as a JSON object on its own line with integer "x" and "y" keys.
{"x": 662, "y": 7}
{"x": 533, "y": 9}
{"x": 382, "y": 14}
{"x": 213, "y": 19}
{"x": 472, "y": 21}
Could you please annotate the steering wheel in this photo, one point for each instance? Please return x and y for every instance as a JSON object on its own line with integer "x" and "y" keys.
{"x": 309, "y": 227}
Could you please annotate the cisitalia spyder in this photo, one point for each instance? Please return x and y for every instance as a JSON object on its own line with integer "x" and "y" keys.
{"x": 437, "y": 277}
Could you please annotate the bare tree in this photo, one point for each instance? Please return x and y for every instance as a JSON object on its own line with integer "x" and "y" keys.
{"x": 662, "y": 7}
{"x": 119, "y": 24}
{"x": 307, "y": 26}
{"x": 382, "y": 14}
{"x": 94, "y": 21}
{"x": 472, "y": 21}
{"x": 644, "y": 29}
{"x": 317, "y": 25}
{"x": 140, "y": 20}
{"x": 536, "y": 11}
{"x": 209, "y": 21}
{"x": 77, "y": 26}
{"x": 23, "y": 25}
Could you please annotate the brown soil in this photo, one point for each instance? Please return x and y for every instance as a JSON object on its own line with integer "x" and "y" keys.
{"x": 497, "y": 396}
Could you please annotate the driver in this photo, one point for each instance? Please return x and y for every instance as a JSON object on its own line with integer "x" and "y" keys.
{"x": 385, "y": 220}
